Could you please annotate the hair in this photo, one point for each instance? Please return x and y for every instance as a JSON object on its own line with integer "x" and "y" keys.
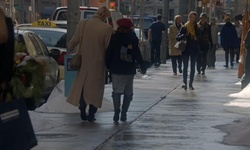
{"x": 159, "y": 16}
{"x": 3, "y": 29}
{"x": 103, "y": 12}
{"x": 123, "y": 29}
{"x": 192, "y": 13}
{"x": 176, "y": 17}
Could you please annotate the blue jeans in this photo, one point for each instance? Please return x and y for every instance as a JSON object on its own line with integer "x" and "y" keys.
{"x": 185, "y": 68}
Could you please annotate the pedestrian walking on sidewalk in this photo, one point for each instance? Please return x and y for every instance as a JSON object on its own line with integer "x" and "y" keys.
{"x": 229, "y": 41}
{"x": 155, "y": 37}
{"x": 175, "y": 53}
{"x": 122, "y": 56}
{"x": 205, "y": 43}
{"x": 92, "y": 36}
{"x": 238, "y": 28}
{"x": 211, "y": 55}
{"x": 6, "y": 53}
{"x": 190, "y": 32}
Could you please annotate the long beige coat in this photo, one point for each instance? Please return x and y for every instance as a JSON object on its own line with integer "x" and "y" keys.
{"x": 173, "y": 31}
{"x": 90, "y": 79}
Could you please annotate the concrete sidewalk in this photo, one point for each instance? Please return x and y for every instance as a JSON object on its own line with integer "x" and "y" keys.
{"x": 161, "y": 116}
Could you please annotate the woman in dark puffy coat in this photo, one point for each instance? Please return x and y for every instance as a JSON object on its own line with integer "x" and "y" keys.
{"x": 122, "y": 56}
{"x": 229, "y": 41}
{"x": 6, "y": 52}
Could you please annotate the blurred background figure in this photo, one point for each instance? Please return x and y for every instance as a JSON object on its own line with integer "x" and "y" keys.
{"x": 229, "y": 41}
{"x": 205, "y": 43}
{"x": 6, "y": 53}
{"x": 175, "y": 53}
{"x": 211, "y": 55}
{"x": 238, "y": 28}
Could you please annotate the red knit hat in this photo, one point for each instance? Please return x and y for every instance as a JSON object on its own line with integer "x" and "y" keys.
{"x": 125, "y": 23}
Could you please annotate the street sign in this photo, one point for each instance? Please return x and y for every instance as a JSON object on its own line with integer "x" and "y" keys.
{"x": 43, "y": 23}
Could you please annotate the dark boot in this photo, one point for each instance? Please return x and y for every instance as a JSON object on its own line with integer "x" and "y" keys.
{"x": 82, "y": 108}
{"x": 92, "y": 111}
{"x": 117, "y": 103}
{"x": 125, "y": 105}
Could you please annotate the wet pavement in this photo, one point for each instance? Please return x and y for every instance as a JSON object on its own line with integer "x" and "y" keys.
{"x": 162, "y": 116}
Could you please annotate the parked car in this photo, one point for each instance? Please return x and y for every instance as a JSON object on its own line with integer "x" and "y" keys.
{"x": 146, "y": 24}
{"x": 144, "y": 46}
{"x": 60, "y": 14}
{"x": 37, "y": 49}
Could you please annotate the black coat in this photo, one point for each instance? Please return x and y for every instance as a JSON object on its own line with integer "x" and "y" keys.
{"x": 115, "y": 59}
{"x": 7, "y": 54}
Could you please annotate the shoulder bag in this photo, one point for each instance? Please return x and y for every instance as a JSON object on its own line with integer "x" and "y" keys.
{"x": 77, "y": 58}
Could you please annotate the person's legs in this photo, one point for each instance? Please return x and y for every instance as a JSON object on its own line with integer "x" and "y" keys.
{"x": 174, "y": 64}
{"x": 185, "y": 69}
{"x": 179, "y": 59}
{"x": 226, "y": 56}
{"x": 157, "y": 52}
{"x": 82, "y": 108}
{"x": 92, "y": 111}
{"x": 198, "y": 67}
{"x": 192, "y": 71}
{"x": 128, "y": 96}
{"x": 152, "y": 52}
{"x": 204, "y": 61}
{"x": 231, "y": 50}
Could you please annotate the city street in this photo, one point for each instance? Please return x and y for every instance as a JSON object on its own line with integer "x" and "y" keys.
{"x": 162, "y": 116}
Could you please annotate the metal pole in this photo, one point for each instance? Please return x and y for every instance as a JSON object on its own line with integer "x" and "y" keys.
{"x": 11, "y": 9}
{"x": 73, "y": 13}
{"x": 210, "y": 10}
{"x": 119, "y": 5}
{"x": 33, "y": 11}
{"x": 165, "y": 18}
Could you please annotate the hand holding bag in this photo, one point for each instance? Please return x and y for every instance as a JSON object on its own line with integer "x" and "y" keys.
{"x": 77, "y": 58}
{"x": 181, "y": 45}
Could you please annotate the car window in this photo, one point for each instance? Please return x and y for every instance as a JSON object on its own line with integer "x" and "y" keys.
{"x": 137, "y": 32}
{"x": 86, "y": 14}
{"x": 36, "y": 44}
{"x": 52, "y": 38}
{"x": 146, "y": 25}
{"x": 43, "y": 46}
{"x": 62, "y": 15}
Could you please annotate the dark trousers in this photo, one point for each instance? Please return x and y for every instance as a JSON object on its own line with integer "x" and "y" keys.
{"x": 185, "y": 68}
{"x": 156, "y": 51}
{"x": 229, "y": 51}
{"x": 211, "y": 56}
{"x": 202, "y": 60}
{"x": 176, "y": 60}
{"x": 82, "y": 107}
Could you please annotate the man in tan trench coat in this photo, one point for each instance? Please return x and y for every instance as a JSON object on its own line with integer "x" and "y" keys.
{"x": 93, "y": 37}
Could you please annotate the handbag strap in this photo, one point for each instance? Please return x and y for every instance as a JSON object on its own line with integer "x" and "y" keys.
{"x": 82, "y": 36}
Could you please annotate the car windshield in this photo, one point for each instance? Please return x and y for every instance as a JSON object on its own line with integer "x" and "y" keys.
{"x": 52, "y": 38}
{"x": 147, "y": 23}
{"x": 137, "y": 32}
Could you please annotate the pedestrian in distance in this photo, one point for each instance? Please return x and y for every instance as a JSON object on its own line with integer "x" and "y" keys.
{"x": 155, "y": 37}
{"x": 123, "y": 55}
{"x": 6, "y": 53}
{"x": 238, "y": 28}
{"x": 175, "y": 53}
{"x": 92, "y": 36}
{"x": 229, "y": 40}
{"x": 190, "y": 32}
{"x": 211, "y": 55}
{"x": 205, "y": 43}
